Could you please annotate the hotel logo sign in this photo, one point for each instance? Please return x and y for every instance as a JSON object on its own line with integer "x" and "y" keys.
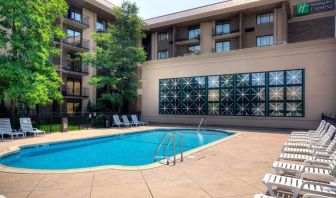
{"x": 314, "y": 7}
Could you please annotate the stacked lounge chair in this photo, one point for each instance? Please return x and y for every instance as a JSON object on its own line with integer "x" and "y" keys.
{"x": 27, "y": 127}
{"x": 309, "y": 168}
{"x": 6, "y": 129}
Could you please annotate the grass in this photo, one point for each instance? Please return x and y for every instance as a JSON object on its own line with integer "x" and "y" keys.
{"x": 56, "y": 127}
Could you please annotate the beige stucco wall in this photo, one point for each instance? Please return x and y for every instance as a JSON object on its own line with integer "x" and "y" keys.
{"x": 318, "y": 58}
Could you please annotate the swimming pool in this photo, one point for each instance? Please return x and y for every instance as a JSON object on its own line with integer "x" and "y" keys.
{"x": 128, "y": 149}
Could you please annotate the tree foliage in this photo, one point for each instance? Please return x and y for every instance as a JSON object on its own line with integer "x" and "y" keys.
{"x": 27, "y": 32}
{"x": 117, "y": 54}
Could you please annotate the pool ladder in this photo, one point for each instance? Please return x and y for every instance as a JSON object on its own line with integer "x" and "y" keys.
{"x": 171, "y": 137}
{"x": 200, "y": 124}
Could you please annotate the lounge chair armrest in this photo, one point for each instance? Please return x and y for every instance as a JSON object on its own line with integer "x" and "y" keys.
{"x": 322, "y": 156}
{"x": 315, "y": 166}
{"x": 317, "y": 183}
{"x": 315, "y": 162}
{"x": 328, "y": 177}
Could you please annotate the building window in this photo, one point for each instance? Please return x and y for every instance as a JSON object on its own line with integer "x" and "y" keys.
{"x": 222, "y": 28}
{"x": 75, "y": 13}
{"x": 73, "y": 37}
{"x": 274, "y": 93}
{"x": 163, "y": 54}
{"x": 73, "y": 62}
{"x": 223, "y": 46}
{"x": 73, "y": 107}
{"x": 73, "y": 87}
{"x": 194, "y": 49}
{"x": 194, "y": 33}
{"x": 101, "y": 25}
{"x": 265, "y": 18}
{"x": 264, "y": 40}
{"x": 163, "y": 36}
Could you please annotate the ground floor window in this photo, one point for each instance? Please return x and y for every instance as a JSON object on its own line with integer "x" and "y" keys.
{"x": 275, "y": 93}
{"x": 264, "y": 40}
{"x": 163, "y": 54}
{"x": 222, "y": 46}
{"x": 73, "y": 107}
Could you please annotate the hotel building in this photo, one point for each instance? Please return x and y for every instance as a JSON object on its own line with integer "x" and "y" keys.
{"x": 267, "y": 63}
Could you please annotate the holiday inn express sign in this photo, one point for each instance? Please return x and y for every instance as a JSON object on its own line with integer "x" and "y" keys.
{"x": 314, "y": 7}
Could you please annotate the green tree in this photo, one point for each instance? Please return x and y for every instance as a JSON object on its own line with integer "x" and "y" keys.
{"x": 27, "y": 39}
{"x": 117, "y": 54}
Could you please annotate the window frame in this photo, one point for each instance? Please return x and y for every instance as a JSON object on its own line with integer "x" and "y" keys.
{"x": 162, "y": 51}
{"x": 222, "y": 23}
{"x": 269, "y": 15}
{"x": 193, "y": 46}
{"x": 104, "y": 24}
{"x": 73, "y": 12}
{"x": 223, "y": 41}
{"x": 194, "y": 29}
{"x": 271, "y": 41}
{"x": 163, "y": 38}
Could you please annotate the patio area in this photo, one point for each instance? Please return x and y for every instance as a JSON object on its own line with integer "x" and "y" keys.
{"x": 233, "y": 168}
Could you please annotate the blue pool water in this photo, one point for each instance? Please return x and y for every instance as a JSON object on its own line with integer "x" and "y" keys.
{"x": 132, "y": 149}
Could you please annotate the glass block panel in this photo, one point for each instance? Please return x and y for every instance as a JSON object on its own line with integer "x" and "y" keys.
{"x": 164, "y": 96}
{"x": 227, "y": 81}
{"x": 175, "y": 84}
{"x": 258, "y": 94}
{"x": 294, "y": 109}
{"x": 243, "y": 80}
{"x": 294, "y": 77}
{"x": 200, "y": 82}
{"x": 164, "y": 108}
{"x": 187, "y": 83}
{"x": 213, "y": 81}
{"x": 164, "y": 84}
{"x": 174, "y": 96}
{"x": 276, "y": 93}
{"x": 258, "y": 79}
{"x": 200, "y": 108}
{"x": 243, "y": 94}
{"x": 243, "y": 109}
{"x": 294, "y": 93}
{"x": 175, "y": 108}
{"x": 226, "y": 108}
{"x": 188, "y": 108}
{"x": 213, "y": 108}
{"x": 258, "y": 109}
{"x": 199, "y": 95}
{"x": 276, "y": 78}
{"x": 227, "y": 95}
{"x": 276, "y": 109}
{"x": 213, "y": 95}
{"x": 187, "y": 95}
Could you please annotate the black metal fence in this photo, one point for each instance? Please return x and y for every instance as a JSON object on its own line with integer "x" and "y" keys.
{"x": 51, "y": 122}
{"x": 331, "y": 118}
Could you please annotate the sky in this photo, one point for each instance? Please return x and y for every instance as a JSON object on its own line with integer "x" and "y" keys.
{"x": 154, "y": 8}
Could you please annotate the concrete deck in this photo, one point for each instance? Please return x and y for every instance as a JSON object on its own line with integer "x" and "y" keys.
{"x": 233, "y": 168}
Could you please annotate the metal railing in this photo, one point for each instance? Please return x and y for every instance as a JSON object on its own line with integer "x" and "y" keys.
{"x": 215, "y": 33}
{"x": 85, "y": 20}
{"x": 79, "y": 67}
{"x": 77, "y": 42}
{"x": 200, "y": 124}
{"x": 188, "y": 39}
{"x": 172, "y": 139}
{"x": 75, "y": 92}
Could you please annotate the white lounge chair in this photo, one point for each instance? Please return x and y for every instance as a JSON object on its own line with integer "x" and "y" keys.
{"x": 117, "y": 122}
{"x": 6, "y": 129}
{"x": 320, "y": 157}
{"x": 311, "y": 132}
{"x": 317, "y": 137}
{"x": 135, "y": 120}
{"x": 303, "y": 170}
{"x": 127, "y": 122}
{"x": 27, "y": 127}
{"x": 309, "y": 151}
{"x": 297, "y": 186}
{"x": 305, "y": 196}
{"x": 324, "y": 141}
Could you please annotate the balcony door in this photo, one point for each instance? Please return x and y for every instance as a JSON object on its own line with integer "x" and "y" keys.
{"x": 75, "y": 14}
{"x": 74, "y": 37}
{"x": 73, "y": 107}
{"x": 73, "y": 87}
{"x": 74, "y": 62}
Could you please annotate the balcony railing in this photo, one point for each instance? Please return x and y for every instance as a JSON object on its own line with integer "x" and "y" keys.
{"x": 84, "y": 20}
{"x": 188, "y": 39}
{"x": 215, "y": 33}
{"x": 79, "y": 68}
{"x": 77, "y": 42}
{"x": 75, "y": 92}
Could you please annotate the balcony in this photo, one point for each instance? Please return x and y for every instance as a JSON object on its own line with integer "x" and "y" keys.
{"x": 81, "y": 23}
{"x": 76, "y": 43}
{"x": 188, "y": 41}
{"x": 75, "y": 92}
{"x": 75, "y": 69}
{"x": 225, "y": 35}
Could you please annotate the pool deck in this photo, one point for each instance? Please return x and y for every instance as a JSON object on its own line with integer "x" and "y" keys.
{"x": 233, "y": 168}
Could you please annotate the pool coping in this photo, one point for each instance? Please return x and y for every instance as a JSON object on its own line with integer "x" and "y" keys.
{"x": 15, "y": 149}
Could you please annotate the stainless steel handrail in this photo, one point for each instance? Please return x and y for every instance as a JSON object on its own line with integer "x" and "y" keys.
{"x": 159, "y": 146}
{"x": 172, "y": 139}
{"x": 200, "y": 124}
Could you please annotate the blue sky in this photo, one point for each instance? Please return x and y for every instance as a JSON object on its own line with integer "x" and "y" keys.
{"x": 153, "y": 8}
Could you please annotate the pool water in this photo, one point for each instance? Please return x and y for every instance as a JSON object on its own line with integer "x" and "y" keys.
{"x": 130, "y": 149}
